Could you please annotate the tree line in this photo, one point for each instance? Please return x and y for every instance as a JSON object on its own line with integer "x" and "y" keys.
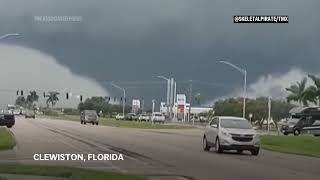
{"x": 33, "y": 97}
{"x": 258, "y": 107}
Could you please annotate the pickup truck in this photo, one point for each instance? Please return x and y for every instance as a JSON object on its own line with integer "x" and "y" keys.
{"x": 7, "y": 119}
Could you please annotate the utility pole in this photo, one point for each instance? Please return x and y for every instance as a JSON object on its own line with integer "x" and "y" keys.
{"x": 174, "y": 101}
{"x": 142, "y": 106}
{"x": 269, "y": 113}
{"x": 190, "y": 99}
{"x": 153, "y": 101}
{"x": 171, "y": 96}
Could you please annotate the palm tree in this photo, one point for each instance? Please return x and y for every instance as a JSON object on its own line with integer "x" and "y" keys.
{"x": 31, "y": 98}
{"x": 299, "y": 93}
{"x": 21, "y": 101}
{"x": 52, "y": 98}
{"x": 315, "y": 89}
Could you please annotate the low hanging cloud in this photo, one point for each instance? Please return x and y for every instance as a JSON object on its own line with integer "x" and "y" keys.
{"x": 29, "y": 69}
{"x": 271, "y": 85}
{"x": 274, "y": 85}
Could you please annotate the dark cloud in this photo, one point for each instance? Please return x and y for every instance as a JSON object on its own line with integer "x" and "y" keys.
{"x": 126, "y": 40}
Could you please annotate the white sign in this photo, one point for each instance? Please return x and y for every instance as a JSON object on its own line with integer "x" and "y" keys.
{"x": 181, "y": 99}
{"x": 135, "y": 105}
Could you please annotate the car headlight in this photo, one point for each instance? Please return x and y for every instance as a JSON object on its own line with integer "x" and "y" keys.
{"x": 225, "y": 134}
{"x": 291, "y": 126}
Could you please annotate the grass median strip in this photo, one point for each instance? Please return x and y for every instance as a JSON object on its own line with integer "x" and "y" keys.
{"x": 122, "y": 123}
{"x": 301, "y": 145}
{"x": 3, "y": 178}
{"x": 6, "y": 139}
{"x": 67, "y": 172}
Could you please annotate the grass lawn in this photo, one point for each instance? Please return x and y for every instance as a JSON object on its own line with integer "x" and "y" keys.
{"x": 301, "y": 145}
{"x": 68, "y": 172}
{"x": 6, "y": 139}
{"x": 122, "y": 123}
{"x": 3, "y": 178}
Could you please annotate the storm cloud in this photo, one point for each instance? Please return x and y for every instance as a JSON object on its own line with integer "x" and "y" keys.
{"x": 136, "y": 40}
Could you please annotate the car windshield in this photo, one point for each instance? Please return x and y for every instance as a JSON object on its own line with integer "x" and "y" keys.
{"x": 293, "y": 121}
{"x": 235, "y": 123}
{"x": 90, "y": 113}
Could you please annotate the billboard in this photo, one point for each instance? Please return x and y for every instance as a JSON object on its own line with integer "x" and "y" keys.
{"x": 136, "y": 105}
{"x": 181, "y": 99}
{"x": 181, "y": 106}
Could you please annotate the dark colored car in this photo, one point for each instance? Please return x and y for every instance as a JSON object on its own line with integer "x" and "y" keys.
{"x": 7, "y": 120}
{"x": 132, "y": 116}
{"x": 89, "y": 116}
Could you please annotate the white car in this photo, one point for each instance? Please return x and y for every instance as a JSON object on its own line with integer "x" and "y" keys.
{"x": 231, "y": 133}
{"x": 157, "y": 117}
{"x": 119, "y": 117}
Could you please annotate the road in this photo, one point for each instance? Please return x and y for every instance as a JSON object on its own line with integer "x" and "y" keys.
{"x": 160, "y": 154}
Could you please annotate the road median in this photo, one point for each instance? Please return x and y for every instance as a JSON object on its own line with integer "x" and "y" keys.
{"x": 65, "y": 172}
{"x": 300, "y": 145}
{"x": 7, "y": 140}
{"x": 120, "y": 123}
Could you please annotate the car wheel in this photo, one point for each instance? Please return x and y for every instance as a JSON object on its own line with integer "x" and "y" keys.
{"x": 285, "y": 133}
{"x": 93, "y": 123}
{"x": 84, "y": 122}
{"x": 81, "y": 122}
{"x": 9, "y": 126}
{"x": 218, "y": 147}
{"x": 296, "y": 132}
{"x": 239, "y": 151}
{"x": 316, "y": 135}
{"x": 205, "y": 144}
{"x": 97, "y": 123}
{"x": 255, "y": 152}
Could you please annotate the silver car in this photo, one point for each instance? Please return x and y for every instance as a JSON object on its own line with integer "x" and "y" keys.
{"x": 231, "y": 133}
{"x": 89, "y": 116}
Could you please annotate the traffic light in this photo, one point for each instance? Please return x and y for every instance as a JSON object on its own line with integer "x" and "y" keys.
{"x": 109, "y": 98}
{"x": 67, "y": 95}
{"x": 44, "y": 94}
{"x": 81, "y": 98}
{"x": 125, "y": 99}
{"x": 18, "y": 93}
{"x": 21, "y": 92}
{"x": 121, "y": 99}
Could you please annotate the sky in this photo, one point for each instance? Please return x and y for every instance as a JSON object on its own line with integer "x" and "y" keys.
{"x": 130, "y": 42}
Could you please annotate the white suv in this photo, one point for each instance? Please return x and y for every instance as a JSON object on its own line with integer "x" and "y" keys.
{"x": 231, "y": 133}
{"x": 157, "y": 117}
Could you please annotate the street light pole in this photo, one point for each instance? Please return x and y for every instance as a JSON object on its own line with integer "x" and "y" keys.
{"x": 190, "y": 100}
{"x": 244, "y": 72}
{"x": 124, "y": 96}
{"x": 8, "y": 35}
{"x": 168, "y": 92}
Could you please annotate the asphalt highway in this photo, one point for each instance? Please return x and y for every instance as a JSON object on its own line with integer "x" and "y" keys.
{"x": 159, "y": 154}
